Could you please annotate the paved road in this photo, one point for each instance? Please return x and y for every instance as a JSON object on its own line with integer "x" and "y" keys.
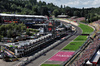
{"x": 52, "y": 52}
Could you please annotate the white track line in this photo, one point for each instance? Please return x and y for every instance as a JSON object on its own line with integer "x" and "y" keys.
{"x": 58, "y": 51}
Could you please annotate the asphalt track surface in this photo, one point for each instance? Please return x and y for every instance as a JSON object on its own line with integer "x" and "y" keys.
{"x": 42, "y": 59}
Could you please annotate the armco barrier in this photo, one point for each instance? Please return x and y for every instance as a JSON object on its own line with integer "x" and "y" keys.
{"x": 74, "y": 56}
{"x": 37, "y": 55}
{"x": 31, "y": 58}
{"x": 79, "y": 50}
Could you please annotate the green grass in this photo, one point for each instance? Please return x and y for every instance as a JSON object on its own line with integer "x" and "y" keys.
{"x": 73, "y": 46}
{"x": 86, "y": 29}
{"x": 50, "y": 65}
{"x": 79, "y": 41}
{"x": 81, "y": 38}
{"x": 76, "y": 44}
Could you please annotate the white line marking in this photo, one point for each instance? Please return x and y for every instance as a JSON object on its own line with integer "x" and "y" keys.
{"x": 58, "y": 51}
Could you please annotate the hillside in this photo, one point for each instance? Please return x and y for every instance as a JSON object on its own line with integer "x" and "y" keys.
{"x": 43, "y": 8}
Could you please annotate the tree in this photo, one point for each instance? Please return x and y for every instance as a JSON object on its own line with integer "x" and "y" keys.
{"x": 76, "y": 13}
{"x": 33, "y": 1}
{"x": 23, "y": 27}
{"x": 29, "y": 6}
{"x": 9, "y": 33}
{"x": 0, "y": 37}
{"x": 64, "y": 6}
{"x": 39, "y": 3}
{"x": 83, "y": 14}
{"x": 44, "y": 11}
{"x": 44, "y": 3}
{"x": 55, "y": 12}
{"x": 35, "y": 10}
{"x": 61, "y": 6}
{"x": 3, "y": 30}
{"x": 27, "y": 32}
{"x": 13, "y": 6}
{"x": 25, "y": 11}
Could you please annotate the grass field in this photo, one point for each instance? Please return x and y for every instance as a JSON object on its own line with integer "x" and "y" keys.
{"x": 76, "y": 43}
{"x": 79, "y": 41}
{"x": 86, "y": 29}
{"x": 50, "y": 65}
{"x": 81, "y": 38}
{"x": 73, "y": 46}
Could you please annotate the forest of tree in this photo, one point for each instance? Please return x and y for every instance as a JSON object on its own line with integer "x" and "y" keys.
{"x": 42, "y": 8}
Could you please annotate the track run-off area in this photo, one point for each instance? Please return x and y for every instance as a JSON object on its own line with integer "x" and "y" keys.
{"x": 71, "y": 45}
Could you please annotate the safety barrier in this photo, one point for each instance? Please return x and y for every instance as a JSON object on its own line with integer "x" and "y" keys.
{"x": 31, "y": 58}
{"x": 79, "y": 50}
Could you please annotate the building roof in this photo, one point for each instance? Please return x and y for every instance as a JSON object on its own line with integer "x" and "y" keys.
{"x": 27, "y": 42}
{"x": 16, "y": 15}
{"x": 62, "y": 16}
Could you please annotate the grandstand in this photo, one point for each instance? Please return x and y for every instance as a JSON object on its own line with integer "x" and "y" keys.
{"x": 89, "y": 55}
{"x": 96, "y": 24}
{"x": 62, "y": 16}
{"x": 23, "y": 47}
{"x": 8, "y": 18}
